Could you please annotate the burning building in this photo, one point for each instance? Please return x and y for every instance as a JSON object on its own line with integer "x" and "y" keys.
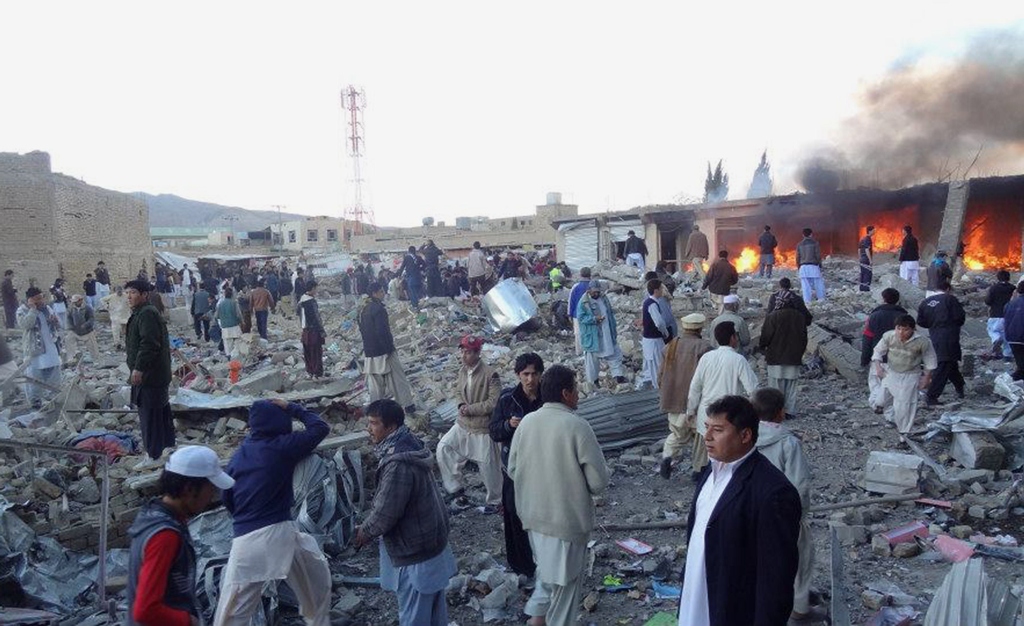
{"x": 987, "y": 214}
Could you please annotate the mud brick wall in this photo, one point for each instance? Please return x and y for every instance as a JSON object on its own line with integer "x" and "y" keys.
{"x": 53, "y": 225}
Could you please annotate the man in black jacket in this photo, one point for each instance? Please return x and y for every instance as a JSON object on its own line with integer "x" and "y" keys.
{"x": 149, "y": 360}
{"x": 999, "y": 294}
{"x": 743, "y": 528}
{"x": 431, "y": 257}
{"x": 910, "y": 257}
{"x": 513, "y": 404}
{"x": 943, "y": 316}
{"x": 385, "y": 377}
{"x": 784, "y": 340}
{"x": 881, "y": 320}
{"x": 635, "y": 251}
{"x": 767, "y": 242}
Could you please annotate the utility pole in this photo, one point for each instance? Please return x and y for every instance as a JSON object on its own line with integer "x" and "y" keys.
{"x": 353, "y": 100}
{"x": 280, "y": 230}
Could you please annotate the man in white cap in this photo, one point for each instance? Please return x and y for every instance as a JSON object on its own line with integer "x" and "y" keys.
{"x": 677, "y": 367}
{"x": 161, "y": 560}
{"x": 730, "y": 313}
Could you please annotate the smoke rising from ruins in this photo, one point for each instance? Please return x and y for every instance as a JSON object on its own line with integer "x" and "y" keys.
{"x": 923, "y": 123}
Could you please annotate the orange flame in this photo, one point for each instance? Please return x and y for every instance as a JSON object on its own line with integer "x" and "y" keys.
{"x": 748, "y": 261}
{"x": 986, "y": 247}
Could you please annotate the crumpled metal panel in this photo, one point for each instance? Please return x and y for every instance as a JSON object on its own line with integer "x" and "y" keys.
{"x": 509, "y": 305}
{"x": 968, "y": 596}
{"x": 624, "y": 420}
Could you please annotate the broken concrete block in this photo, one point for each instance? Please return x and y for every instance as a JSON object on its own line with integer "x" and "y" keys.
{"x": 348, "y": 603}
{"x": 45, "y": 487}
{"x": 906, "y": 550}
{"x": 880, "y": 545}
{"x": 850, "y": 535}
{"x": 236, "y": 424}
{"x": 499, "y": 597}
{"x": 969, "y": 476}
{"x": 872, "y": 599}
{"x": 892, "y": 472}
{"x": 977, "y": 450}
{"x": 85, "y": 491}
{"x": 977, "y": 512}
{"x": 272, "y": 380}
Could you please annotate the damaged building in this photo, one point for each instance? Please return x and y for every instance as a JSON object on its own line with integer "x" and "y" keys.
{"x": 57, "y": 226}
{"x": 987, "y": 214}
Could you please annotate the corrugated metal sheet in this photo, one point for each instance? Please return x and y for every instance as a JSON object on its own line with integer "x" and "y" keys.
{"x": 580, "y": 244}
{"x": 625, "y": 420}
{"x": 620, "y": 229}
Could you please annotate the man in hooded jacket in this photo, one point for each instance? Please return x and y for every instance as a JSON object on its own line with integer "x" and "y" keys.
{"x": 268, "y": 544}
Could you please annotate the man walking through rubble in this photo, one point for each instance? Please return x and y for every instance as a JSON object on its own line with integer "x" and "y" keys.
{"x": 1013, "y": 316}
{"x": 149, "y": 360}
{"x": 262, "y": 302}
{"x": 730, "y": 313}
{"x": 102, "y": 280}
{"x": 998, "y": 296}
{"x": 744, "y": 523}
{"x": 201, "y": 313}
{"x": 866, "y": 255}
{"x": 409, "y": 516}
{"x": 268, "y": 544}
{"x": 412, "y": 270}
{"x": 557, "y": 466}
{"x": 477, "y": 388}
{"x": 680, "y": 362}
{"x": 431, "y": 258}
{"x": 943, "y": 316}
{"x": 229, "y": 319}
{"x": 910, "y": 257}
{"x": 655, "y": 332}
{"x": 697, "y": 251}
{"x": 719, "y": 281}
{"x": 808, "y": 259}
{"x": 598, "y": 335}
{"x": 767, "y": 242}
{"x": 385, "y": 377}
{"x": 119, "y": 311}
{"x": 10, "y": 299}
{"x": 635, "y": 251}
{"x": 41, "y": 344}
{"x": 903, "y": 352}
{"x": 514, "y": 404}
{"x": 82, "y": 329}
{"x": 938, "y": 272}
{"x": 784, "y": 340}
{"x": 881, "y": 320}
{"x": 478, "y": 269}
{"x": 721, "y": 372}
{"x": 313, "y": 334}
{"x": 575, "y": 295}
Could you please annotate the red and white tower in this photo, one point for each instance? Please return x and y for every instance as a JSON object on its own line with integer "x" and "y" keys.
{"x": 353, "y": 100}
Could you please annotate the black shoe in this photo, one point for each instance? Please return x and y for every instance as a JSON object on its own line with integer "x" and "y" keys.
{"x": 666, "y": 468}
{"x": 620, "y": 379}
{"x": 960, "y": 394}
{"x": 934, "y": 403}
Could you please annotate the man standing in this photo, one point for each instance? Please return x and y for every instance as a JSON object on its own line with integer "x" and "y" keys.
{"x": 730, "y": 313}
{"x": 635, "y": 251}
{"x": 999, "y": 294}
{"x": 10, "y": 298}
{"x": 881, "y": 320}
{"x": 905, "y": 352}
{"x": 598, "y": 335}
{"x": 910, "y": 257}
{"x": 262, "y": 302}
{"x": 575, "y": 295}
{"x": 697, "y": 250}
{"x": 409, "y": 515}
{"x": 743, "y": 529}
{"x": 655, "y": 332}
{"x": 808, "y": 259}
{"x": 478, "y": 387}
{"x": 412, "y": 269}
{"x": 478, "y": 268}
{"x": 313, "y": 334}
{"x": 162, "y": 560}
{"x": 200, "y": 310}
{"x": 149, "y": 360}
{"x": 1013, "y": 317}
{"x": 102, "y": 280}
{"x": 780, "y": 446}
{"x": 558, "y": 513}
{"x": 41, "y": 343}
{"x": 514, "y": 404}
{"x": 938, "y": 271}
{"x": 89, "y": 286}
{"x": 267, "y": 543}
{"x": 681, "y": 357}
{"x": 119, "y": 311}
{"x": 866, "y": 254}
{"x": 721, "y": 372}
{"x": 720, "y": 279}
{"x": 767, "y": 242}
{"x": 784, "y": 340}
{"x": 431, "y": 257}
{"x": 82, "y": 324}
{"x": 384, "y": 374}
{"x": 943, "y": 316}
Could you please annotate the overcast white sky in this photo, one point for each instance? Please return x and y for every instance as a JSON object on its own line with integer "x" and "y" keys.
{"x": 473, "y": 108}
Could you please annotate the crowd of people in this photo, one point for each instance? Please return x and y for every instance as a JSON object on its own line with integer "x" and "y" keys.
{"x": 750, "y": 555}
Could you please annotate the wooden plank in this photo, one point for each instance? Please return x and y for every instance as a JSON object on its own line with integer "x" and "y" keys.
{"x": 839, "y": 613}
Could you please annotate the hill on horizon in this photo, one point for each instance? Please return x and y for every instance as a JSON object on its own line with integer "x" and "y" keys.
{"x": 169, "y": 210}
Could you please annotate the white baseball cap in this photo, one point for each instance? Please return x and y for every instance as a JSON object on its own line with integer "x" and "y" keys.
{"x": 731, "y": 299}
{"x": 199, "y": 462}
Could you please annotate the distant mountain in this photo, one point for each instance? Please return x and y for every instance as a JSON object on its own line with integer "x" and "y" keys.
{"x": 174, "y": 211}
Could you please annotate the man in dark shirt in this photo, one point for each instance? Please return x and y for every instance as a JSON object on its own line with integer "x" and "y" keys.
{"x": 89, "y": 285}
{"x": 999, "y": 294}
{"x": 943, "y": 316}
{"x": 148, "y": 356}
{"x": 767, "y": 243}
{"x": 431, "y": 257}
{"x": 635, "y": 251}
{"x": 866, "y": 254}
{"x": 910, "y": 257}
{"x": 412, "y": 270}
{"x": 10, "y": 298}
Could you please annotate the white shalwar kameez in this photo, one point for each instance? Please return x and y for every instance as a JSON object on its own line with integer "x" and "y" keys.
{"x": 693, "y": 603}
{"x": 559, "y": 583}
{"x": 607, "y": 350}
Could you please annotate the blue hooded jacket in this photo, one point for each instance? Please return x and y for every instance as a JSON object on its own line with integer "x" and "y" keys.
{"x": 263, "y": 465}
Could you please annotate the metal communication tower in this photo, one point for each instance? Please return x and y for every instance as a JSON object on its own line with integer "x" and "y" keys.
{"x": 353, "y": 100}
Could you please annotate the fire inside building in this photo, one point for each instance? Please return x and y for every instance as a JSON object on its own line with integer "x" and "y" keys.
{"x": 986, "y": 214}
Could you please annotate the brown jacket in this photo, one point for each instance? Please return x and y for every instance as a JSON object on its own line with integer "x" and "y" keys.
{"x": 677, "y": 368}
{"x": 721, "y": 277}
{"x": 260, "y": 299}
{"x": 697, "y": 246}
{"x": 480, "y": 398}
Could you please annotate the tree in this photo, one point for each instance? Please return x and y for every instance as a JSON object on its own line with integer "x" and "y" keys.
{"x": 716, "y": 186}
{"x": 761, "y": 185}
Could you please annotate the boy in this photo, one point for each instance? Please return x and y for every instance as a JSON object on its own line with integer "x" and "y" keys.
{"x": 901, "y": 376}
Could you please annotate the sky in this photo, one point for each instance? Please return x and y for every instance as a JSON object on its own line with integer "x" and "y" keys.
{"x": 472, "y": 108}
